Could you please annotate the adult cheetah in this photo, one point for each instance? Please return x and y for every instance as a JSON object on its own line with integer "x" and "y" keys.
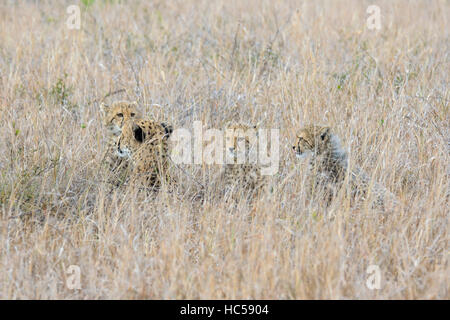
{"x": 145, "y": 145}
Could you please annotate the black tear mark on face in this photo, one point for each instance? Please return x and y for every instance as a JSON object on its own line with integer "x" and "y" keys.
{"x": 139, "y": 134}
{"x": 167, "y": 129}
{"x": 324, "y": 134}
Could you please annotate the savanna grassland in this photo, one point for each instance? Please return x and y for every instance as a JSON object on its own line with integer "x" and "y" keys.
{"x": 279, "y": 64}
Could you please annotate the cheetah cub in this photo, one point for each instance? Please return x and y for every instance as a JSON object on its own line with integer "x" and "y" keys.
{"x": 114, "y": 117}
{"x": 145, "y": 145}
{"x": 243, "y": 173}
{"x": 328, "y": 165}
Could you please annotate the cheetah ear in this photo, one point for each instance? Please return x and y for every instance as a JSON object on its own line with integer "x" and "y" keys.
{"x": 104, "y": 107}
{"x": 134, "y": 103}
{"x": 138, "y": 133}
{"x": 324, "y": 133}
{"x": 256, "y": 127}
{"x": 168, "y": 129}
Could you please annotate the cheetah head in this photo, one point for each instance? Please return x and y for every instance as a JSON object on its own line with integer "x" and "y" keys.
{"x": 240, "y": 136}
{"x": 116, "y": 114}
{"x": 314, "y": 140}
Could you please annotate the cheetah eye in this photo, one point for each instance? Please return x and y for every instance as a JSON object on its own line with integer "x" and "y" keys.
{"x": 120, "y": 115}
{"x": 132, "y": 114}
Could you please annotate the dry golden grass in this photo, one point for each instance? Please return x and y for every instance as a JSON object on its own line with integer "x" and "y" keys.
{"x": 385, "y": 93}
